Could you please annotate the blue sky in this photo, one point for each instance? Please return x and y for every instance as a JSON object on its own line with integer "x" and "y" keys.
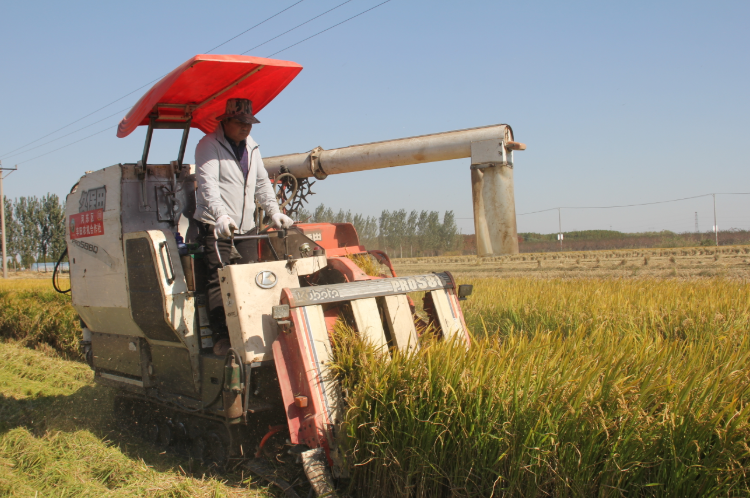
{"x": 619, "y": 103}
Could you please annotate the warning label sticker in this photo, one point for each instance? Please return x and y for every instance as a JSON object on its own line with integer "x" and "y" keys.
{"x": 87, "y": 224}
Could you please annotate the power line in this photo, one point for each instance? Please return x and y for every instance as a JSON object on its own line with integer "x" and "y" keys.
{"x": 612, "y": 207}
{"x": 633, "y": 205}
{"x": 249, "y": 29}
{"x": 140, "y": 87}
{"x": 625, "y": 205}
{"x": 282, "y": 50}
{"x": 297, "y": 26}
{"x": 327, "y": 29}
{"x": 87, "y": 115}
{"x": 68, "y": 145}
{"x": 68, "y": 134}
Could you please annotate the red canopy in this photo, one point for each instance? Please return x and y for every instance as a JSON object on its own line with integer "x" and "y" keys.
{"x": 202, "y": 85}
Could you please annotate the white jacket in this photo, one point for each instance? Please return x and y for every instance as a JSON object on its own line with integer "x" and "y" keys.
{"x": 223, "y": 189}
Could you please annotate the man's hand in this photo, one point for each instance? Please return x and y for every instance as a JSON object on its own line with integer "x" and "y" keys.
{"x": 281, "y": 220}
{"x": 224, "y": 227}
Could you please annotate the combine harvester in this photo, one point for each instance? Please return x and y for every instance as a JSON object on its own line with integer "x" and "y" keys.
{"x": 138, "y": 279}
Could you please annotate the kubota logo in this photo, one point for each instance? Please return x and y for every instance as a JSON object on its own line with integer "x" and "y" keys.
{"x": 265, "y": 279}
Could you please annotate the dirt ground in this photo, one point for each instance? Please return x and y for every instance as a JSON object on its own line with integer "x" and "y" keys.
{"x": 731, "y": 262}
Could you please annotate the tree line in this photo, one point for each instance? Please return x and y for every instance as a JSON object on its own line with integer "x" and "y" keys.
{"x": 418, "y": 233}
{"x": 34, "y": 230}
{"x": 606, "y": 240}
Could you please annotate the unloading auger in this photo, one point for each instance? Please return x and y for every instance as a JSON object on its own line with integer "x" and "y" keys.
{"x": 138, "y": 280}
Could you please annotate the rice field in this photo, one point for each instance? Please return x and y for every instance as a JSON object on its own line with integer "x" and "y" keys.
{"x": 573, "y": 387}
{"x": 32, "y": 313}
{"x": 578, "y": 387}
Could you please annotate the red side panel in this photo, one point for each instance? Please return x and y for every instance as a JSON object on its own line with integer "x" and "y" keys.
{"x": 286, "y": 357}
{"x": 331, "y": 316}
{"x": 338, "y": 239}
{"x": 300, "y": 374}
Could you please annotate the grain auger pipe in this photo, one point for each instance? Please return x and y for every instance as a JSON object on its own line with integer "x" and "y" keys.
{"x": 490, "y": 149}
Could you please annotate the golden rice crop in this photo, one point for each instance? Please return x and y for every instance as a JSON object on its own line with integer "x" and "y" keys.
{"x": 33, "y": 313}
{"x": 366, "y": 263}
{"x": 571, "y": 388}
{"x": 646, "y": 307}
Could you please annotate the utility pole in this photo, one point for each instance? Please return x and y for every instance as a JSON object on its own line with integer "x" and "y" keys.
{"x": 696, "y": 222}
{"x": 559, "y": 228}
{"x": 716, "y": 227}
{"x": 2, "y": 213}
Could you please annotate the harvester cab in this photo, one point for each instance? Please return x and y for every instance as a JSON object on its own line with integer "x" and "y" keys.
{"x": 138, "y": 280}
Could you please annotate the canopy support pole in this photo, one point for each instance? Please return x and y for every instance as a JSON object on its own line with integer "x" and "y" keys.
{"x": 147, "y": 145}
{"x": 183, "y": 143}
{"x": 140, "y": 168}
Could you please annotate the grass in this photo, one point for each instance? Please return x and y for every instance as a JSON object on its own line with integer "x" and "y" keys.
{"x": 58, "y": 432}
{"x": 80, "y": 464}
{"x": 572, "y": 388}
{"x": 59, "y": 437}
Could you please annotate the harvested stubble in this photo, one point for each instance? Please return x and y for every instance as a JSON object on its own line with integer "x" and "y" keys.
{"x": 693, "y": 263}
{"x": 58, "y": 437}
{"x": 577, "y": 388}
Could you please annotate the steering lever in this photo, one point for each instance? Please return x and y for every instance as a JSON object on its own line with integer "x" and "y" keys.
{"x": 282, "y": 234}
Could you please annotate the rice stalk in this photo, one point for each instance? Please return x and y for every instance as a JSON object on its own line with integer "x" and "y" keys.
{"x": 573, "y": 388}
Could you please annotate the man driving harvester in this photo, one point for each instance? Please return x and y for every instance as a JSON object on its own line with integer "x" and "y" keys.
{"x": 231, "y": 177}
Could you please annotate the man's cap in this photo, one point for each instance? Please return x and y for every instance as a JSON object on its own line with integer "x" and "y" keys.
{"x": 240, "y": 109}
